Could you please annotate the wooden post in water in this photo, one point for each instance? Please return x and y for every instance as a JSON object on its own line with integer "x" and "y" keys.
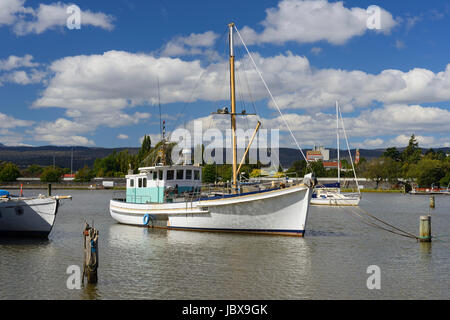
{"x": 49, "y": 189}
{"x": 432, "y": 204}
{"x": 90, "y": 265}
{"x": 425, "y": 229}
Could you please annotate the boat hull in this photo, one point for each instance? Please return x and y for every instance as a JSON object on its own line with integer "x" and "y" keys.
{"x": 280, "y": 212}
{"x": 28, "y": 217}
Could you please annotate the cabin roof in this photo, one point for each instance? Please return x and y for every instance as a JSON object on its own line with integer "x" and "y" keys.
{"x": 181, "y": 166}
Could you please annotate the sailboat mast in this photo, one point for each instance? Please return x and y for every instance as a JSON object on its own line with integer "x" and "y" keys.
{"x": 337, "y": 136}
{"x": 233, "y": 105}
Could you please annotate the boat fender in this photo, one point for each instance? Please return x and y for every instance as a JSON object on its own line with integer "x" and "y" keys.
{"x": 146, "y": 219}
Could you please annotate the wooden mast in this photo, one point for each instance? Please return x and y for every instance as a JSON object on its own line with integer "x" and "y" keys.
{"x": 233, "y": 106}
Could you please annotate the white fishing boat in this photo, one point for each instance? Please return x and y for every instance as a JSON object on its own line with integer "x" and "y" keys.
{"x": 330, "y": 195}
{"x": 28, "y": 216}
{"x": 172, "y": 197}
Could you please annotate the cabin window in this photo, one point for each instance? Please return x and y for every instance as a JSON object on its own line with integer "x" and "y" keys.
{"x": 170, "y": 175}
{"x": 160, "y": 175}
{"x": 155, "y": 175}
{"x": 196, "y": 174}
{"x": 144, "y": 182}
{"x": 188, "y": 174}
{"x": 179, "y": 174}
{"x": 131, "y": 183}
{"x": 140, "y": 183}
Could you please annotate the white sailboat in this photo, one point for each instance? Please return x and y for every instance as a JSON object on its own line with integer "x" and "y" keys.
{"x": 172, "y": 197}
{"x": 330, "y": 195}
{"x": 28, "y": 216}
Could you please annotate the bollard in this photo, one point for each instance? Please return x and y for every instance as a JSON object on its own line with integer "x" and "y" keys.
{"x": 432, "y": 202}
{"x": 425, "y": 229}
{"x": 49, "y": 189}
{"x": 90, "y": 264}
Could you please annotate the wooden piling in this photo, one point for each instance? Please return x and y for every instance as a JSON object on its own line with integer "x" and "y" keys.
{"x": 49, "y": 189}
{"x": 432, "y": 203}
{"x": 425, "y": 229}
{"x": 90, "y": 265}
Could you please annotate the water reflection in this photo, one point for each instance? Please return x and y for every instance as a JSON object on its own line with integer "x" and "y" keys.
{"x": 16, "y": 241}
{"x": 90, "y": 292}
{"x": 140, "y": 263}
{"x": 425, "y": 249}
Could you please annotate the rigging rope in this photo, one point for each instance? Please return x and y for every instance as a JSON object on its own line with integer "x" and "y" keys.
{"x": 273, "y": 99}
{"x": 348, "y": 148}
{"x": 209, "y": 59}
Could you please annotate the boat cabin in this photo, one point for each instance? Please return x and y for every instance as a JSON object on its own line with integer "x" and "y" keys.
{"x": 161, "y": 183}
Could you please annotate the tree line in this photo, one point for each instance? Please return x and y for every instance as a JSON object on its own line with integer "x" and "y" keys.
{"x": 426, "y": 169}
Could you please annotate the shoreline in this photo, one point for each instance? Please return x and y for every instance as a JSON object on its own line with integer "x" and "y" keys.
{"x": 59, "y": 186}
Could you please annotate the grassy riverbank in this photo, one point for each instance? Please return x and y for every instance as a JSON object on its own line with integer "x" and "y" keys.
{"x": 374, "y": 190}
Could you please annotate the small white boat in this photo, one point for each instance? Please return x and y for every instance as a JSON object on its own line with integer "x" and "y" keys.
{"x": 28, "y": 216}
{"x": 333, "y": 197}
{"x": 330, "y": 195}
{"x": 172, "y": 197}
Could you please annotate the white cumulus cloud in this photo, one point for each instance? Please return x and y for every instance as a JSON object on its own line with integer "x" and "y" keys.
{"x": 307, "y": 21}
{"x": 25, "y": 20}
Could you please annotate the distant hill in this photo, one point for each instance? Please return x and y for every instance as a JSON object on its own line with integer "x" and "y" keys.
{"x": 44, "y": 156}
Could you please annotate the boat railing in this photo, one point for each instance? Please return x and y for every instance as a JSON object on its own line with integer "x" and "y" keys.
{"x": 208, "y": 191}
{"x": 217, "y": 191}
{"x": 119, "y": 196}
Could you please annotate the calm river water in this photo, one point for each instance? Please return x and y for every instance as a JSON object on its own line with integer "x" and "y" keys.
{"x": 329, "y": 263}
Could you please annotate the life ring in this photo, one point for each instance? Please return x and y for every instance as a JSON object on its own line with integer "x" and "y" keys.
{"x": 146, "y": 219}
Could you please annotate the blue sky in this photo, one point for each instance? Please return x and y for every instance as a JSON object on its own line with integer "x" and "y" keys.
{"x": 96, "y": 86}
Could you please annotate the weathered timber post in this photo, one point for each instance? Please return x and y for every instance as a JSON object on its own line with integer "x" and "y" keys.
{"x": 90, "y": 265}
{"x": 432, "y": 203}
{"x": 425, "y": 229}
{"x": 49, "y": 189}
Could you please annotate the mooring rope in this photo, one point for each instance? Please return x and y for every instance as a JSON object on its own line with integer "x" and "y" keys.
{"x": 401, "y": 232}
{"x": 441, "y": 236}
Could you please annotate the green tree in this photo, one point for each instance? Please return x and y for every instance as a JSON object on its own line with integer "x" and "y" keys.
{"x": 318, "y": 168}
{"x": 393, "y": 153}
{"x": 299, "y": 167}
{"x": 428, "y": 172}
{"x": 375, "y": 171}
{"x": 51, "y": 174}
{"x": 256, "y": 173}
{"x": 445, "y": 181}
{"x": 145, "y": 148}
{"x": 209, "y": 173}
{"x": 33, "y": 171}
{"x": 84, "y": 175}
{"x": 412, "y": 153}
{"x": 9, "y": 172}
{"x": 392, "y": 170}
